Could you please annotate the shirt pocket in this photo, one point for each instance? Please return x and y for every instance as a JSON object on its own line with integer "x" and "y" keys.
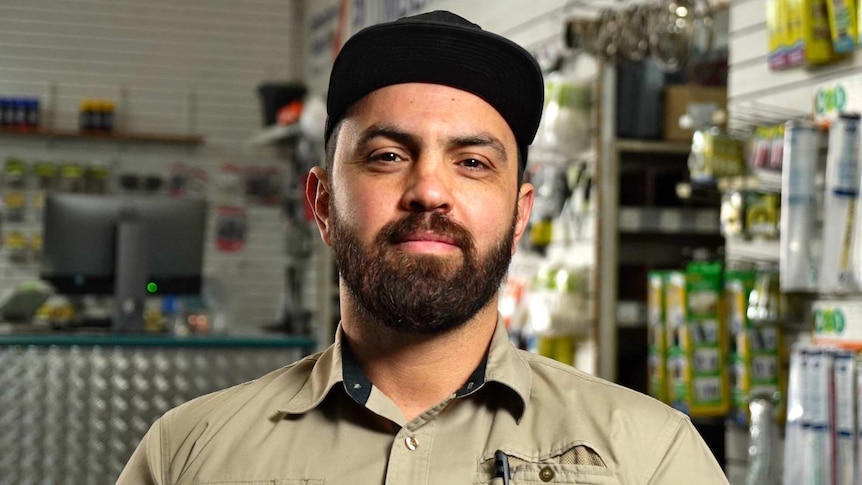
{"x": 578, "y": 465}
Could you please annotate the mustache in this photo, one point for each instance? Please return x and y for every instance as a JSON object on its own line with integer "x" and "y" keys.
{"x": 435, "y": 222}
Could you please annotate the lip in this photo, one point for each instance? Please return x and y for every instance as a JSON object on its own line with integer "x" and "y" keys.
{"x": 427, "y": 242}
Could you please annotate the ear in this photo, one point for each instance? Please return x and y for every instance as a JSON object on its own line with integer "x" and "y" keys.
{"x": 318, "y": 195}
{"x": 526, "y": 195}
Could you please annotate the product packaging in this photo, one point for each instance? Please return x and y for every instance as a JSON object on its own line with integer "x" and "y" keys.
{"x": 795, "y": 429}
{"x": 657, "y": 336}
{"x": 842, "y": 25}
{"x": 704, "y": 391}
{"x": 798, "y": 264}
{"x": 755, "y": 350}
{"x": 839, "y": 206}
{"x": 817, "y": 405}
{"x": 815, "y": 31}
{"x": 845, "y": 417}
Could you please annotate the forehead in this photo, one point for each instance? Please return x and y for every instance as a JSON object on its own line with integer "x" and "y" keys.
{"x": 429, "y": 109}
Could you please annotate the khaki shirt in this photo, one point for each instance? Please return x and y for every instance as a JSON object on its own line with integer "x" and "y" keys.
{"x": 320, "y": 421}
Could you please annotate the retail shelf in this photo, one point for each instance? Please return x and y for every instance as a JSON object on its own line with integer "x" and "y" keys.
{"x": 273, "y": 134}
{"x": 668, "y": 220}
{"x": 755, "y": 250}
{"x": 652, "y": 146}
{"x": 763, "y": 180}
{"x": 114, "y": 136}
{"x": 631, "y": 314}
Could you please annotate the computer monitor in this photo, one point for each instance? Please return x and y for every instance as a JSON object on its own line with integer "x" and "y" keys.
{"x": 124, "y": 246}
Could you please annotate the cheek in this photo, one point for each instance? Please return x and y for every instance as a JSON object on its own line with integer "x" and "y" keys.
{"x": 361, "y": 211}
{"x": 489, "y": 218}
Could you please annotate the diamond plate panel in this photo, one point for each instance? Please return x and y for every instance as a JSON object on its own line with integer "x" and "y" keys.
{"x": 74, "y": 414}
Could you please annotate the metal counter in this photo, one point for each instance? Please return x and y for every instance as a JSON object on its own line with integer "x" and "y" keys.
{"x": 74, "y": 407}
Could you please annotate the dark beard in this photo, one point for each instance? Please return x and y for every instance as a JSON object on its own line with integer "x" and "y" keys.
{"x": 413, "y": 293}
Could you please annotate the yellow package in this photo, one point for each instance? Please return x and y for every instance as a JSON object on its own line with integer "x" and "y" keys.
{"x": 657, "y": 336}
{"x": 815, "y": 31}
{"x": 842, "y": 25}
{"x": 676, "y": 315}
{"x": 777, "y": 54}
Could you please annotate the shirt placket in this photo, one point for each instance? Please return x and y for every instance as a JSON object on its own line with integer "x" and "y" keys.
{"x": 410, "y": 455}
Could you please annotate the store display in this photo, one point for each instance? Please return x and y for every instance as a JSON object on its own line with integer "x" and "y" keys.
{"x": 839, "y": 207}
{"x": 96, "y": 115}
{"x": 809, "y": 32}
{"x": 715, "y": 154}
{"x": 844, "y": 402}
{"x": 698, "y": 349}
{"x": 657, "y": 339}
{"x": 798, "y": 263}
{"x": 842, "y": 25}
{"x": 19, "y": 113}
{"x": 762, "y": 214}
{"x": 763, "y": 450}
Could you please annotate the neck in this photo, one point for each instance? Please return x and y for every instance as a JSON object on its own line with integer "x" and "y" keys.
{"x": 418, "y": 371}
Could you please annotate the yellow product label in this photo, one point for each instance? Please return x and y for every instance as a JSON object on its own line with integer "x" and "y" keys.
{"x": 675, "y": 308}
{"x": 559, "y": 348}
{"x": 15, "y": 200}
{"x": 795, "y": 38}
{"x": 815, "y": 30}
{"x": 842, "y": 24}
{"x": 14, "y": 240}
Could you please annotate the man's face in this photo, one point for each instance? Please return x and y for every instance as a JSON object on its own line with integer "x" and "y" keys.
{"x": 424, "y": 210}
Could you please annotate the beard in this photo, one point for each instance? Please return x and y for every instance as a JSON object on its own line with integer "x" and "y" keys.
{"x": 419, "y": 293}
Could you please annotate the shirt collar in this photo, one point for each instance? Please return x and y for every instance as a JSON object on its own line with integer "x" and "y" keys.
{"x": 336, "y": 365}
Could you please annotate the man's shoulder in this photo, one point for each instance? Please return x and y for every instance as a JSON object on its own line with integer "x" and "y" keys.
{"x": 249, "y": 399}
{"x": 576, "y": 389}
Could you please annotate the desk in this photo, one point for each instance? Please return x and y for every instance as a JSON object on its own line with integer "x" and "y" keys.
{"x": 74, "y": 407}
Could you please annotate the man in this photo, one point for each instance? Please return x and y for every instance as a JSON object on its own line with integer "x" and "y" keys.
{"x": 429, "y": 119}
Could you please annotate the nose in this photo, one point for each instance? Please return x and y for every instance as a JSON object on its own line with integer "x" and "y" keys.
{"x": 428, "y": 187}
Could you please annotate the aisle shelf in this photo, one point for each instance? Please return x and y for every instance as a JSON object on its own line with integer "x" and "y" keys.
{"x": 752, "y": 251}
{"x": 131, "y": 137}
{"x": 631, "y": 314}
{"x": 668, "y": 220}
{"x": 652, "y": 146}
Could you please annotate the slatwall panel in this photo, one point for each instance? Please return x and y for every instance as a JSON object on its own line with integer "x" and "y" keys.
{"x": 756, "y": 92}
{"x": 752, "y": 87}
{"x": 173, "y": 67}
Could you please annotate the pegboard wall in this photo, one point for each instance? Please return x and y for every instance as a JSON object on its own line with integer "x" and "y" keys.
{"x": 176, "y": 69}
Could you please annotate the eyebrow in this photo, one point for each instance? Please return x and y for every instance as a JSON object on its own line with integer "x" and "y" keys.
{"x": 390, "y": 132}
{"x": 481, "y": 140}
{"x": 411, "y": 141}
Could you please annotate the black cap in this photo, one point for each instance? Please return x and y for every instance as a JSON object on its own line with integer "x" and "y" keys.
{"x": 440, "y": 48}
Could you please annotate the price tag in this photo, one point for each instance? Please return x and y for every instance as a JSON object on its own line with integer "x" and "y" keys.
{"x": 706, "y": 221}
{"x": 669, "y": 220}
{"x": 630, "y": 219}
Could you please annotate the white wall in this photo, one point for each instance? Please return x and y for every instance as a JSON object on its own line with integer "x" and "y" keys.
{"x": 181, "y": 67}
{"x": 754, "y": 91}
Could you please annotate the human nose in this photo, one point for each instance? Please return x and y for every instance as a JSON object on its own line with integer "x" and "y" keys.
{"x": 428, "y": 188}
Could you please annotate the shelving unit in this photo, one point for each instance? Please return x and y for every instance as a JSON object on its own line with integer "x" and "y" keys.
{"x": 643, "y": 225}
{"x": 273, "y": 134}
{"x": 163, "y": 138}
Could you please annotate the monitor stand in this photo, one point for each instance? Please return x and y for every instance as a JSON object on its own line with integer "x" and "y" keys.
{"x": 130, "y": 273}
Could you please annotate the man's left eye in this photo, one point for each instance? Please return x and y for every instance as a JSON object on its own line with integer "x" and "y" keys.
{"x": 473, "y": 163}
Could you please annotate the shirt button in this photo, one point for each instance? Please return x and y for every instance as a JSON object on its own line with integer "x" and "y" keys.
{"x": 411, "y": 442}
{"x": 546, "y": 474}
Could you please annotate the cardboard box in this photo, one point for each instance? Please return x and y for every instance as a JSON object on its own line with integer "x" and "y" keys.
{"x": 679, "y": 99}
